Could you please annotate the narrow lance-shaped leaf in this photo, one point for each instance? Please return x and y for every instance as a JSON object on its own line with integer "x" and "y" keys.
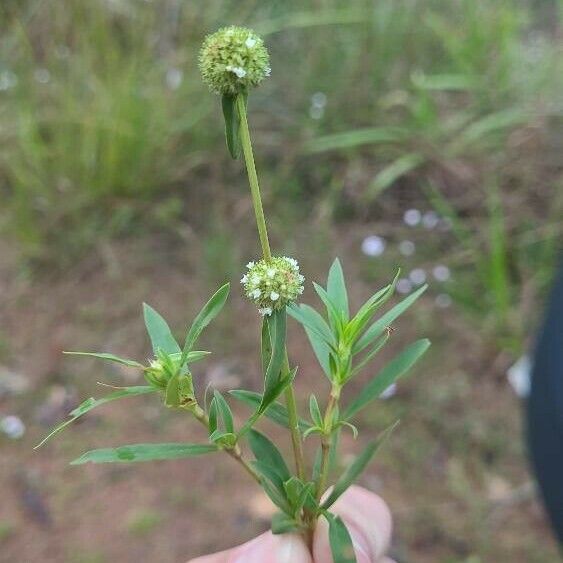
{"x": 108, "y": 357}
{"x": 336, "y": 288}
{"x": 277, "y": 331}
{"x": 394, "y": 370}
{"x": 356, "y": 468}
{"x": 315, "y": 411}
{"x": 159, "y": 332}
{"x": 225, "y": 411}
{"x": 266, "y": 452}
{"x": 209, "y": 311}
{"x": 275, "y": 411}
{"x": 145, "y": 452}
{"x": 92, "y": 403}
{"x": 232, "y": 123}
{"x": 341, "y": 545}
{"x": 385, "y": 320}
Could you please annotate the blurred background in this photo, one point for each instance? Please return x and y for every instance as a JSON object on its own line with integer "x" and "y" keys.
{"x": 424, "y": 134}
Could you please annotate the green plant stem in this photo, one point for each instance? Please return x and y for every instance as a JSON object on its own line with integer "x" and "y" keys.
{"x": 234, "y": 452}
{"x": 291, "y": 403}
{"x": 253, "y": 178}
{"x": 326, "y": 441}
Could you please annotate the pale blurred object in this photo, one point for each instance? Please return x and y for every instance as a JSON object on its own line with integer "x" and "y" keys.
{"x": 520, "y": 376}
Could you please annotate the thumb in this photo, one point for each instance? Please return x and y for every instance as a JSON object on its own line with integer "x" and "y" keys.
{"x": 368, "y": 520}
{"x": 267, "y": 548}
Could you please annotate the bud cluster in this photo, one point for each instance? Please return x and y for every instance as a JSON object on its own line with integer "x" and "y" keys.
{"x": 272, "y": 284}
{"x": 233, "y": 59}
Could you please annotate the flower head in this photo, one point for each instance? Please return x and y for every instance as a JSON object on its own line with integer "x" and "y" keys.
{"x": 272, "y": 284}
{"x": 233, "y": 59}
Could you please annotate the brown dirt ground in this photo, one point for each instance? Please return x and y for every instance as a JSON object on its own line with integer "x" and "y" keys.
{"x": 455, "y": 474}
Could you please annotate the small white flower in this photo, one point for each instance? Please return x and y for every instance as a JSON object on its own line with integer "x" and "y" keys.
{"x": 250, "y": 42}
{"x": 373, "y": 245}
{"x": 412, "y": 217}
{"x": 238, "y": 70}
{"x": 268, "y": 71}
{"x": 250, "y": 265}
{"x": 266, "y": 311}
{"x": 274, "y": 296}
{"x": 255, "y": 293}
{"x": 441, "y": 273}
{"x": 244, "y": 279}
{"x": 255, "y": 280}
{"x": 271, "y": 272}
{"x": 301, "y": 278}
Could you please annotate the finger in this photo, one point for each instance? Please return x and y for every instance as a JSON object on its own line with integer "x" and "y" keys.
{"x": 267, "y": 548}
{"x": 368, "y": 520}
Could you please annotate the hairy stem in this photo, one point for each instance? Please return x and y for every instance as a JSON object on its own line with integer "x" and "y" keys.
{"x": 234, "y": 452}
{"x": 263, "y": 233}
{"x": 253, "y": 178}
{"x": 326, "y": 441}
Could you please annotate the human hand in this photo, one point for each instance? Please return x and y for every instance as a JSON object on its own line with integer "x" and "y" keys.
{"x": 367, "y": 518}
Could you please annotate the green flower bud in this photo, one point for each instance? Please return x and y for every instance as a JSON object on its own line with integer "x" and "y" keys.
{"x": 233, "y": 59}
{"x": 272, "y": 284}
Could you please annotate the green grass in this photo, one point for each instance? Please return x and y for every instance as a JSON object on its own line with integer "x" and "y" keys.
{"x": 108, "y": 130}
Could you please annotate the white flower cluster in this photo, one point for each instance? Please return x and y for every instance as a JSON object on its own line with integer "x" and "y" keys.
{"x": 272, "y": 284}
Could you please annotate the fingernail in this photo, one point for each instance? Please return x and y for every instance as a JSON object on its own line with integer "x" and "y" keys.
{"x": 361, "y": 544}
{"x": 292, "y": 549}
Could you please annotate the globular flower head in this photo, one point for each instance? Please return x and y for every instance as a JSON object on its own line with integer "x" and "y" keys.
{"x": 272, "y": 284}
{"x": 233, "y": 60}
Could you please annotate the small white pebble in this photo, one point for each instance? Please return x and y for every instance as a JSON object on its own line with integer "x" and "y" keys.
{"x": 412, "y": 217}
{"x": 13, "y": 427}
{"x": 373, "y": 246}
{"x": 430, "y": 219}
{"x": 404, "y": 285}
{"x": 42, "y": 75}
{"x": 407, "y": 247}
{"x": 318, "y": 99}
{"x": 441, "y": 273}
{"x": 174, "y": 77}
{"x": 443, "y": 300}
{"x": 417, "y": 276}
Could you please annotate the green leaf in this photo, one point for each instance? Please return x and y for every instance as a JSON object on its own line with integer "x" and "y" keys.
{"x": 172, "y": 398}
{"x": 209, "y": 311}
{"x": 392, "y": 172}
{"x": 367, "y": 310}
{"x": 317, "y": 332}
{"x": 315, "y": 411}
{"x": 387, "y": 319}
{"x": 341, "y": 544}
{"x": 357, "y": 137}
{"x": 232, "y": 123}
{"x": 109, "y": 357}
{"x": 225, "y": 411}
{"x": 356, "y": 468}
{"x": 266, "y": 452}
{"x": 196, "y": 356}
{"x": 272, "y": 484}
{"x": 144, "y": 452}
{"x": 393, "y": 371}
{"x": 275, "y": 411}
{"x": 159, "y": 332}
{"x": 277, "y": 331}
{"x": 212, "y": 416}
{"x": 92, "y": 403}
{"x": 336, "y": 288}
{"x": 283, "y": 524}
